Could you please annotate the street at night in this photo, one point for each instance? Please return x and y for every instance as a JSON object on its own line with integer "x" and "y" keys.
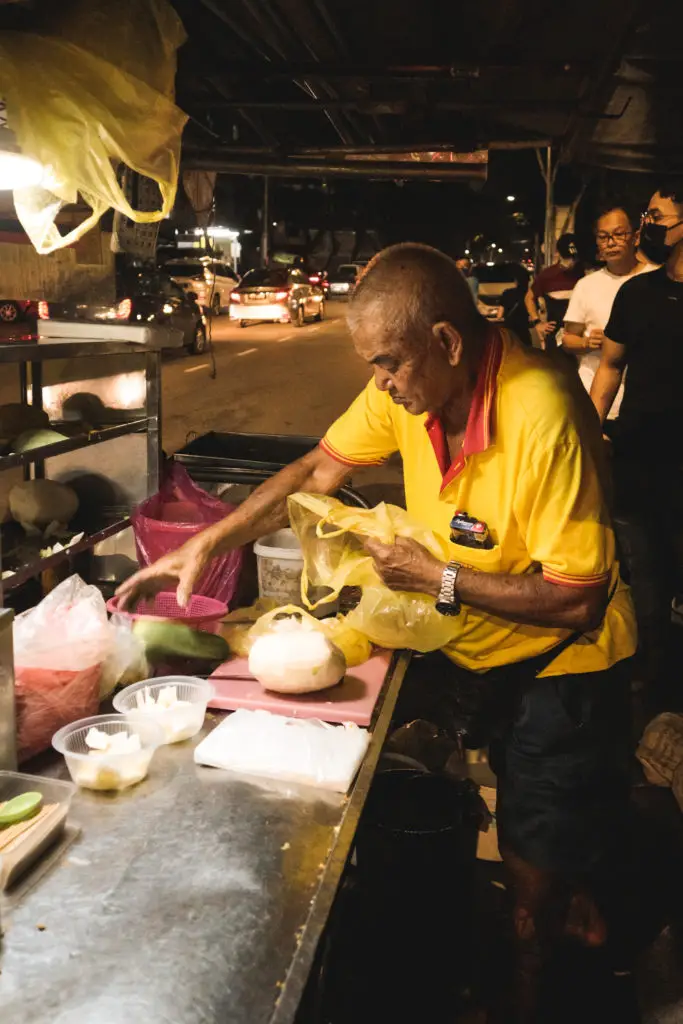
{"x": 341, "y": 512}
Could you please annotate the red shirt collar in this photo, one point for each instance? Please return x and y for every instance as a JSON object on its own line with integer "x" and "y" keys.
{"x": 479, "y": 428}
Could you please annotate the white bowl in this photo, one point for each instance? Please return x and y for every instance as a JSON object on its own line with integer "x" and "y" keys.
{"x": 101, "y": 769}
{"x": 178, "y": 723}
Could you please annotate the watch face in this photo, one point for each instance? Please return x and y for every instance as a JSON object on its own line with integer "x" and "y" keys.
{"x": 447, "y": 609}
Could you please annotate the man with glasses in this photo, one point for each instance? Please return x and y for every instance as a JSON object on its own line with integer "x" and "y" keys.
{"x": 590, "y": 306}
{"x": 645, "y": 333}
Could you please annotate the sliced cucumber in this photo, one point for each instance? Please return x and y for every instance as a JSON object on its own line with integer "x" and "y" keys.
{"x": 20, "y": 808}
{"x": 175, "y": 639}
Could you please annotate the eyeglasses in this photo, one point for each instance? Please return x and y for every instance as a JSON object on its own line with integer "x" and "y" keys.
{"x": 603, "y": 237}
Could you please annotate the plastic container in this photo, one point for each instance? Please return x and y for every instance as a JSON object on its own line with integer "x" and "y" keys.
{"x": 204, "y": 613}
{"x": 15, "y": 861}
{"x": 178, "y": 723}
{"x": 106, "y": 770}
{"x": 280, "y": 564}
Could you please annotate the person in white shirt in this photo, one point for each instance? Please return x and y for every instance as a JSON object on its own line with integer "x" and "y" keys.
{"x": 590, "y": 305}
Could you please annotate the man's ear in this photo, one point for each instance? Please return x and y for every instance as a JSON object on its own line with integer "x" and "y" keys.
{"x": 451, "y": 339}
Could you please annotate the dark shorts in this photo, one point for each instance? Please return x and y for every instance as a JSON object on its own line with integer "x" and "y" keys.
{"x": 561, "y": 754}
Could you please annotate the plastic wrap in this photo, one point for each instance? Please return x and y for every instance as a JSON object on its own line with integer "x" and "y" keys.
{"x": 331, "y": 538}
{"x": 178, "y": 511}
{"x": 96, "y": 93}
{"x": 293, "y": 749}
{"x": 59, "y": 649}
{"x": 245, "y": 625}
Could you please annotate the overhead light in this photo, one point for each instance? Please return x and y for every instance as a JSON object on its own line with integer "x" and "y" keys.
{"x": 490, "y": 263}
{"x": 467, "y": 252}
{"x": 274, "y": 223}
{"x": 500, "y": 250}
{"x": 17, "y": 170}
{"x": 511, "y": 199}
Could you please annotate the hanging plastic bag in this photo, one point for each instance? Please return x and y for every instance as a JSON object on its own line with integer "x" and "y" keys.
{"x": 60, "y": 647}
{"x": 178, "y": 511}
{"x": 331, "y": 538}
{"x": 94, "y": 94}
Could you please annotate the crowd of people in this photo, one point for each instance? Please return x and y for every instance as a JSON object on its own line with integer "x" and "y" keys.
{"x": 621, "y": 327}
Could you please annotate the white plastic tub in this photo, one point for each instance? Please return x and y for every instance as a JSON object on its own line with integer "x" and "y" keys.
{"x": 280, "y": 563}
{"x": 180, "y": 722}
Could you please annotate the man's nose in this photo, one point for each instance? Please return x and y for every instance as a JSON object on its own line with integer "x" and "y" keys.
{"x": 382, "y": 379}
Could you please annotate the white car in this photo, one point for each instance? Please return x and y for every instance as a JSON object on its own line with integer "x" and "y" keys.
{"x": 211, "y": 279}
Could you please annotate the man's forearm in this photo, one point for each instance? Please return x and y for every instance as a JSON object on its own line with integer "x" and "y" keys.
{"x": 574, "y": 343}
{"x": 265, "y": 510}
{"x": 529, "y": 600}
{"x": 604, "y": 389}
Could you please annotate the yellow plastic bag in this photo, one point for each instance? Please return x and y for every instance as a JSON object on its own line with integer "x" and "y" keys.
{"x": 243, "y": 626}
{"x": 83, "y": 102}
{"x": 331, "y": 538}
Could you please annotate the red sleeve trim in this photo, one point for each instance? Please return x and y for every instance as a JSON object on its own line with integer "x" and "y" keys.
{"x": 568, "y": 580}
{"x": 345, "y": 460}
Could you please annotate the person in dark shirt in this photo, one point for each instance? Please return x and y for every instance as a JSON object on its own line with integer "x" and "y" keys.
{"x": 645, "y": 334}
{"x": 554, "y": 286}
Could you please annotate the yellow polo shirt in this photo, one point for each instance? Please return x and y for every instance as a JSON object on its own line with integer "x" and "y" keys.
{"x": 529, "y": 468}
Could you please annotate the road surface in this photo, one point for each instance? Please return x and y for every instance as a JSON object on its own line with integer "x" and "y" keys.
{"x": 271, "y": 378}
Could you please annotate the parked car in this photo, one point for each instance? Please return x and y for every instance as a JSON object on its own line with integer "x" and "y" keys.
{"x": 143, "y": 296}
{"x": 13, "y": 310}
{"x": 211, "y": 279}
{"x": 342, "y": 280}
{"x": 281, "y": 294}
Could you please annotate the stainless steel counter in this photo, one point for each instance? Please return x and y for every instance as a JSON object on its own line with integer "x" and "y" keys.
{"x": 196, "y": 898}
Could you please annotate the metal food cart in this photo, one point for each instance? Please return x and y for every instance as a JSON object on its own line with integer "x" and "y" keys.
{"x": 118, "y": 382}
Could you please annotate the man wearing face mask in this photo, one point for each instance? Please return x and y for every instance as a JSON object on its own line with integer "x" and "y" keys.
{"x": 645, "y": 333}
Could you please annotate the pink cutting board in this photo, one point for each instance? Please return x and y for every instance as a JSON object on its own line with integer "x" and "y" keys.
{"x": 352, "y": 700}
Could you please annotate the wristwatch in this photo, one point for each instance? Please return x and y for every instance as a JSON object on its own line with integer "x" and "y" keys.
{"x": 448, "y": 601}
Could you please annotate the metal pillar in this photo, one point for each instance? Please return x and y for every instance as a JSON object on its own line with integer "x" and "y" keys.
{"x": 548, "y": 173}
{"x": 549, "y": 207}
{"x": 265, "y": 222}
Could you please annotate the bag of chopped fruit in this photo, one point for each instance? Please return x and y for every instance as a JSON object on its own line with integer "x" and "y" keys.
{"x": 60, "y": 647}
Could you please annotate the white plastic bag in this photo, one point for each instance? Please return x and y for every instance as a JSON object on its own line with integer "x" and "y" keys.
{"x": 68, "y": 630}
{"x": 59, "y": 649}
{"x": 126, "y": 662}
{"x": 292, "y": 749}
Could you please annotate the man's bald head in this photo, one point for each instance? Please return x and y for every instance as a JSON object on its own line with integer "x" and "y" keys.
{"x": 408, "y": 288}
{"x": 413, "y": 319}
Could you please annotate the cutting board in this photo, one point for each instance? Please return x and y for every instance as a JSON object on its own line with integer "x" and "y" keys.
{"x": 352, "y": 700}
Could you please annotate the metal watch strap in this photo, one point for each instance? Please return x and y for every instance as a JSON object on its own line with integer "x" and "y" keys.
{"x": 448, "y": 595}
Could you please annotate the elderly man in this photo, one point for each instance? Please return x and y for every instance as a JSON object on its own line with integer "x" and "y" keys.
{"x": 497, "y": 445}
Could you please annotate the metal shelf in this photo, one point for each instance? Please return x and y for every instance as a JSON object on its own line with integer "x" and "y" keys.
{"x": 72, "y": 444}
{"x": 37, "y": 352}
{"x": 39, "y": 565}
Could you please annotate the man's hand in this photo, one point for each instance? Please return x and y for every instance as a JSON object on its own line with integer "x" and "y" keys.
{"x": 594, "y": 338}
{"x": 178, "y": 569}
{"x": 406, "y": 565}
{"x": 546, "y": 327}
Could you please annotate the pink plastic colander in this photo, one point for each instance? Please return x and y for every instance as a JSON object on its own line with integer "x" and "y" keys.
{"x": 203, "y": 613}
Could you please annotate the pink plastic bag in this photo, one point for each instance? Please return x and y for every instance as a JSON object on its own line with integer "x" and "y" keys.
{"x": 178, "y": 511}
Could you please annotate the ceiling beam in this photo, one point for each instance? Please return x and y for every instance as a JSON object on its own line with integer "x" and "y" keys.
{"x": 212, "y": 160}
